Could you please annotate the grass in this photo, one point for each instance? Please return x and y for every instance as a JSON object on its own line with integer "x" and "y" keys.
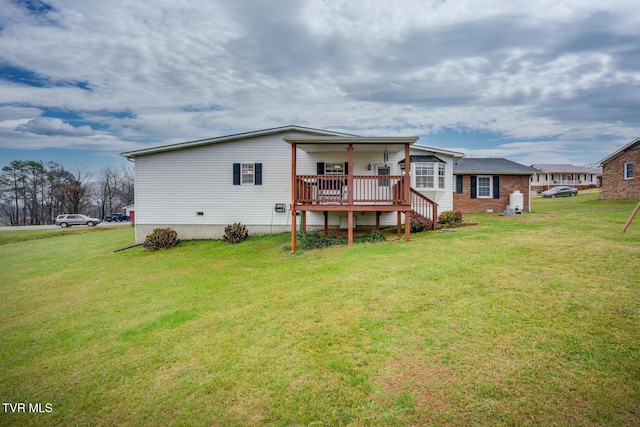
{"x": 520, "y": 320}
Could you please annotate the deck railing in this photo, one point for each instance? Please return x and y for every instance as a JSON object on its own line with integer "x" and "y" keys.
{"x": 425, "y": 207}
{"x": 334, "y": 189}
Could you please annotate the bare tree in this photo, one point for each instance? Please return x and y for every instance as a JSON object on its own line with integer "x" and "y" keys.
{"x": 32, "y": 192}
{"x": 127, "y": 185}
{"x": 13, "y": 178}
{"x": 75, "y": 194}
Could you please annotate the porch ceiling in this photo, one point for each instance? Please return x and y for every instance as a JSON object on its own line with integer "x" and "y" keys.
{"x": 378, "y": 144}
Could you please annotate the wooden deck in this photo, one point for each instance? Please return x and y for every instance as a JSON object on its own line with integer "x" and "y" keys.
{"x": 345, "y": 193}
{"x": 355, "y": 193}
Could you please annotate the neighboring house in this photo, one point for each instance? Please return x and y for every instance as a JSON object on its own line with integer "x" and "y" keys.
{"x": 199, "y": 187}
{"x": 620, "y": 173}
{"x": 553, "y": 175}
{"x": 486, "y": 185}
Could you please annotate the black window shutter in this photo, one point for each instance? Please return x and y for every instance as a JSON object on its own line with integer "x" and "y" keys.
{"x": 459, "y": 184}
{"x": 236, "y": 174}
{"x": 320, "y": 168}
{"x": 474, "y": 187}
{"x": 346, "y": 168}
{"x": 496, "y": 187}
{"x": 258, "y": 170}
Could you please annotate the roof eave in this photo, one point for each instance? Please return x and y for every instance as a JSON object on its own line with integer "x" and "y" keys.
{"x": 354, "y": 140}
{"x": 618, "y": 152}
{"x": 227, "y": 138}
{"x": 454, "y": 154}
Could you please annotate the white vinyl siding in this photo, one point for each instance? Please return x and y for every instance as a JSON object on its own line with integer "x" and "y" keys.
{"x": 171, "y": 187}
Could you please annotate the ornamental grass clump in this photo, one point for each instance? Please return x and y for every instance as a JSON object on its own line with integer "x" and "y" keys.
{"x": 236, "y": 233}
{"x": 160, "y": 239}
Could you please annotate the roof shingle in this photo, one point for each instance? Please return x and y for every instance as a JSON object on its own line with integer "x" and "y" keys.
{"x": 490, "y": 166}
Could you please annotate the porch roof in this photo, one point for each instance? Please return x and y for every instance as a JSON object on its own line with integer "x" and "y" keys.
{"x": 360, "y": 143}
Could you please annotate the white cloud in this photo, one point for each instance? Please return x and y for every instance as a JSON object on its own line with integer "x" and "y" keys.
{"x": 53, "y": 127}
{"x": 529, "y": 70}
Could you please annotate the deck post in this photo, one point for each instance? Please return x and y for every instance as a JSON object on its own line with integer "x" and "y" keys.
{"x": 434, "y": 217}
{"x": 399, "y": 222}
{"x": 293, "y": 197}
{"x": 326, "y": 223}
{"x": 350, "y": 175}
{"x": 407, "y": 191}
{"x": 407, "y": 174}
{"x": 304, "y": 222}
{"x": 350, "y": 231}
{"x": 378, "y": 220}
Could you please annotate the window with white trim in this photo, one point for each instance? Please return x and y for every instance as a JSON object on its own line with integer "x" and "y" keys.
{"x": 248, "y": 173}
{"x": 628, "y": 170}
{"x": 430, "y": 176}
{"x": 424, "y": 175}
{"x": 484, "y": 187}
{"x": 334, "y": 168}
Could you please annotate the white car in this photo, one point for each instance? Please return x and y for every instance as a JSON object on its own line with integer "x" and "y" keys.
{"x": 67, "y": 220}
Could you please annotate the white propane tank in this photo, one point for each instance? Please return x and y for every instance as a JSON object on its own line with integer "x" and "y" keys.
{"x": 516, "y": 200}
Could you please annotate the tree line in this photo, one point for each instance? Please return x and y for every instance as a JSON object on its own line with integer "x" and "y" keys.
{"x": 35, "y": 192}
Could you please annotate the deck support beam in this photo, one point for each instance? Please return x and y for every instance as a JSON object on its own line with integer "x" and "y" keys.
{"x": 378, "y": 220}
{"x": 350, "y": 231}
{"x": 304, "y": 222}
{"x": 293, "y": 197}
{"x": 407, "y": 191}
{"x": 326, "y": 223}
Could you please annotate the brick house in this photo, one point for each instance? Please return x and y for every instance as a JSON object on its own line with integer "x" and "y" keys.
{"x": 485, "y": 184}
{"x": 618, "y": 180}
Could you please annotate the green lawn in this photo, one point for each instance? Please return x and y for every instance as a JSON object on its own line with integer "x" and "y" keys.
{"x": 519, "y": 320}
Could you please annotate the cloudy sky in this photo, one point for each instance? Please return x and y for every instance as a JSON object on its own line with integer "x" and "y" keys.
{"x": 534, "y": 81}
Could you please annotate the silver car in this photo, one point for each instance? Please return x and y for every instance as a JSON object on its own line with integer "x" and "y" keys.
{"x": 67, "y": 220}
{"x": 560, "y": 191}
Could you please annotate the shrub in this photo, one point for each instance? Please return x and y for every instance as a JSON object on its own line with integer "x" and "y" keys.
{"x": 450, "y": 217}
{"x": 376, "y": 236}
{"x": 160, "y": 239}
{"x": 420, "y": 224}
{"x": 314, "y": 240}
{"x": 236, "y": 233}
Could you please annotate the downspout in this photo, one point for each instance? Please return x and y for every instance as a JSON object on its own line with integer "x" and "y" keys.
{"x": 529, "y": 195}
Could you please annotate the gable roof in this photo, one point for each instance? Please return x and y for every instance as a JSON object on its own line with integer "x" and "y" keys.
{"x": 629, "y": 146}
{"x": 227, "y": 138}
{"x": 563, "y": 168}
{"x": 422, "y": 158}
{"x": 450, "y": 153}
{"x": 490, "y": 166}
